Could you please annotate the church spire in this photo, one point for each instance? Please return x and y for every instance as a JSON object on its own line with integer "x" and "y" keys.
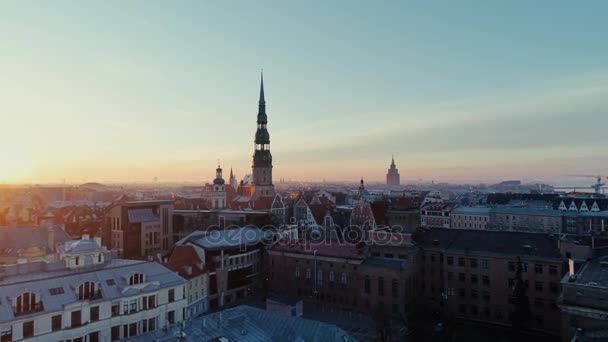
{"x": 262, "y": 118}
{"x": 262, "y": 100}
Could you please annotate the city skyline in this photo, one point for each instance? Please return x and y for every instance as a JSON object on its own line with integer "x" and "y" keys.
{"x": 161, "y": 91}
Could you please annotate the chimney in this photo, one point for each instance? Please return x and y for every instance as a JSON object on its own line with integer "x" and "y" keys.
{"x": 97, "y": 240}
{"x": 571, "y": 268}
{"x": 85, "y": 236}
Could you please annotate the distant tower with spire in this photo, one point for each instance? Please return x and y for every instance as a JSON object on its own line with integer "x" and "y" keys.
{"x": 262, "y": 159}
{"x": 233, "y": 182}
{"x": 392, "y": 177}
{"x": 218, "y": 195}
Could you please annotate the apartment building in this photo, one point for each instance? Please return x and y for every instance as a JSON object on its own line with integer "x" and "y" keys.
{"x": 88, "y": 296}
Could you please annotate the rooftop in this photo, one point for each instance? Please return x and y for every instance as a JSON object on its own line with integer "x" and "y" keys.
{"x": 322, "y": 248}
{"x": 249, "y": 324}
{"x": 57, "y": 286}
{"x": 228, "y": 238}
{"x": 593, "y": 273}
{"x": 491, "y": 242}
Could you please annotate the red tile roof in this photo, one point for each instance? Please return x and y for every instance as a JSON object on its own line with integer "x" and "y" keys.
{"x": 182, "y": 257}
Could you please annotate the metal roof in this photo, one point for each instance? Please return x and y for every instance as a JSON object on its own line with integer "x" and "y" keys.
{"x": 248, "y": 324}
{"x": 118, "y": 270}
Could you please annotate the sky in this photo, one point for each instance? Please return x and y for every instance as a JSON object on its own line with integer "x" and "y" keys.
{"x": 130, "y": 91}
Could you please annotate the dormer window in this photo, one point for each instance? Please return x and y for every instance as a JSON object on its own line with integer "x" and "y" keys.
{"x": 136, "y": 278}
{"x": 27, "y": 303}
{"x": 88, "y": 290}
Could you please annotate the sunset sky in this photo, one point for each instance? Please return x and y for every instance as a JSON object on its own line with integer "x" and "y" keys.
{"x": 113, "y": 91}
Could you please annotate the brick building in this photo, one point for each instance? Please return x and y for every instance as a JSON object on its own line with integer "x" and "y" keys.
{"x": 470, "y": 275}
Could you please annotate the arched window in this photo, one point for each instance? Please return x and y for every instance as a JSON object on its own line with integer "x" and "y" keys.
{"x": 26, "y": 303}
{"x": 87, "y": 291}
{"x": 136, "y": 278}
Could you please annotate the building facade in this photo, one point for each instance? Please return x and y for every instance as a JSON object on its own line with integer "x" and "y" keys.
{"x": 470, "y": 217}
{"x": 139, "y": 229}
{"x": 525, "y": 219}
{"x": 583, "y": 305}
{"x": 88, "y": 296}
{"x": 436, "y": 214}
{"x": 471, "y": 274}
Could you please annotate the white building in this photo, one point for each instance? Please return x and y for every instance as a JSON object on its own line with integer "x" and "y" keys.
{"x": 470, "y": 217}
{"x": 87, "y": 296}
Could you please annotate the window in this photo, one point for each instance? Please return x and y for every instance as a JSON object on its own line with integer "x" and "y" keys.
{"x": 171, "y": 317}
{"x": 87, "y": 291}
{"x": 56, "y": 291}
{"x": 462, "y": 293}
{"x": 395, "y": 288}
{"x": 343, "y": 280}
{"x": 511, "y": 266}
{"x": 26, "y": 303}
{"x": 474, "y": 279}
{"x": 450, "y": 260}
{"x": 461, "y": 277}
{"x": 366, "y": 284}
{"x": 116, "y": 333}
{"x": 319, "y": 277}
{"x": 56, "y": 323}
{"x": 308, "y": 275}
{"x": 28, "y": 329}
{"x": 152, "y": 324}
{"x": 553, "y": 270}
{"x": 485, "y": 280}
{"x": 538, "y": 268}
{"x": 133, "y": 306}
{"x": 539, "y": 303}
{"x": 461, "y": 262}
{"x": 132, "y": 329}
{"x": 474, "y": 309}
{"x": 331, "y": 277}
{"x": 171, "y": 295}
{"x": 511, "y": 283}
{"x": 485, "y": 264}
{"x": 486, "y": 296}
{"x": 6, "y": 334}
{"x": 538, "y": 285}
{"x": 473, "y": 263}
{"x": 474, "y": 294}
{"x": 94, "y": 314}
{"x": 115, "y": 309}
{"x": 136, "y": 278}
{"x": 297, "y": 272}
{"x": 381, "y": 286}
{"x": 553, "y": 287}
{"x": 76, "y": 319}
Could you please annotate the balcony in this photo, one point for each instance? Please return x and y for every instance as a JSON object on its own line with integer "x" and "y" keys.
{"x": 38, "y": 307}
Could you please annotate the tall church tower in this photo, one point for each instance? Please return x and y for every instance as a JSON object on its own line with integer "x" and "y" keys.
{"x": 262, "y": 159}
{"x": 392, "y": 177}
{"x": 218, "y": 195}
